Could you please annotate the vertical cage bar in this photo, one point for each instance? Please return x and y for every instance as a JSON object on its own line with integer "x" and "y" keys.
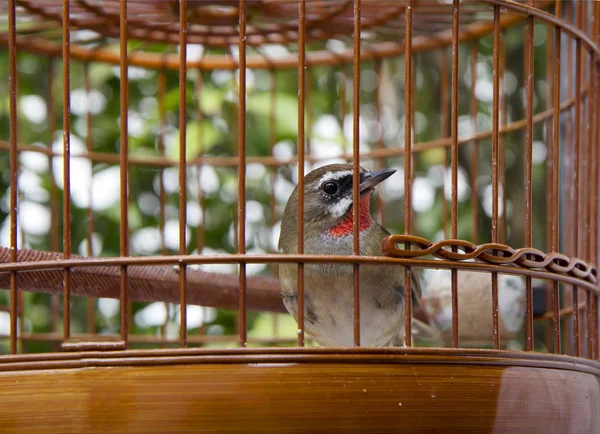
{"x": 242, "y": 171}
{"x": 162, "y": 194}
{"x": 475, "y": 145}
{"x": 595, "y": 178}
{"x": 355, "y": 171}
{"x": 54, "y": 198}
{"x": 308, "y": 82}
{"x": 591, "y": 188}
{"x": 301, "y": 144}
{"x": 556, "y": 179}
{"x": 501, "y": 218}
{"x": 576, "y": 184}
{"x": 408, "y": 96}
{"x": 89, "y": 145}
{"x": 444, "y": 125}
{"x": 454, "y": 162}
{"x": 569, "y": 190}
{"x": 495, "y": 154}
{"x": 182, "y": 170}
{"x": 596, "y": 121}
{"x": 12, "y": 68}
{"x": 200, "y": 227}
{"x": 272, "y": 201}
{"x": 548, "y": 168}
{"x": 66, "y": 35}
{"x": 380, "y": 145}
{"x": 584, "y": 188}
{"x": 235, "y": 150}
{"x": 124, "y": 162}
{"x": 528, "y": 174}
{"x": 272, "y": 141}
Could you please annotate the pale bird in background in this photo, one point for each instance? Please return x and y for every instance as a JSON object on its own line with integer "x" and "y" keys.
{"x": 475, "y": 320}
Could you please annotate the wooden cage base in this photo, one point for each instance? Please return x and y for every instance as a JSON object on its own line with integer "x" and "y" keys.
{"x": 300, "y": 390}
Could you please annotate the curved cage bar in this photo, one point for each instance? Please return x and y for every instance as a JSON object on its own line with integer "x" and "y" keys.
{"x": 148, "y": 150}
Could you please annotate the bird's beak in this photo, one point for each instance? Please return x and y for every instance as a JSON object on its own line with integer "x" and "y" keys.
{"x": 369, "y": 180}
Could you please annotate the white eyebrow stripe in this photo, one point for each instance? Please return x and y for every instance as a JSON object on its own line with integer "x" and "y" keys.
{"x": 333, "y": 176}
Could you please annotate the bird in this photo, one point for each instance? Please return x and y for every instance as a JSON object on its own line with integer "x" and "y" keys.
{"x": 329, "y": 287}
{"x": 475, "y": 318}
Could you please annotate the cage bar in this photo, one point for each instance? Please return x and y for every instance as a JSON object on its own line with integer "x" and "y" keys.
{"x": 124, "y": 163}
{"x": 183, "y": 170}
{"x": 301, "y": 160}
{"x": 12, "y": 25}
{"x": 66, "y": 35}
{"x": 454, "y": 163}
{"x": 242, "y": 171}
{"x": 495, "y": 168}
{"x": 529, "y": 73}
{"x": 408, "y": 96}
{"x": 556, "y": 179}
{"x": 475, "y": 144}
{"x": 356, "y": 170}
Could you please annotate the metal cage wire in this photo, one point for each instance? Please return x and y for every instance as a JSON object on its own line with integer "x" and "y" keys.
{"x": 574, "y": 97}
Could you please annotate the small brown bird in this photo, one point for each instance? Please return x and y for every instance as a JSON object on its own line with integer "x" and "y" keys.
{"x": 328, "y": 288}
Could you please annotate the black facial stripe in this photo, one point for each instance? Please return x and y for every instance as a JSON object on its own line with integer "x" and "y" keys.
{"x": 345, "y": 184}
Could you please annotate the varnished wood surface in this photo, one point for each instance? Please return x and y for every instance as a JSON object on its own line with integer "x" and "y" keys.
{"x": 288, "y": 390}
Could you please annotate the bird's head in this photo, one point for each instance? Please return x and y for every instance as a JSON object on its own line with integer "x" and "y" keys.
{"x": 328, "y": 201}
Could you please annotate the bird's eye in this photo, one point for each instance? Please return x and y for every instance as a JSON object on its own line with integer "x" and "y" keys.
{"x": 330, "y": 188}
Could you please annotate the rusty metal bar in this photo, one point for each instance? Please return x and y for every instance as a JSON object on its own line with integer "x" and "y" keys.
{"x": 301, "y": 160}
{"x": 107, "y": 268}
{"x": 475, "y": 147}
{"x": 502, "y": 142}
{"x": 162, "y": 194}
{"x": 89, "y": 341}
{"x": 444, "y": 100}
{"x": 556, "y": 180}
{"x": 379, "y": 145}
{"x": 385, "y": 49}
{"x": 200, "y": 227}
{"x": 12, "y": 68}
{"x": 595, "y": 180}
{"x": 408, "y": 89}
{"x": 242, "y": 172}
{"x": 225, "y": 161}
{"x": 54, "y": 197}
{"x": 549, "y": 170}
{"x": 66, "y": 167}
{"x": 576, "y": 184}
{"x": 89, "y": 145}
{"x": 236, "y": 156}
{"x": 569, "y": 160}
{"x": 182, "y": 170}
{"x": 355, "y": 171}
{"x": 495, "y": 156}
{"x": 272, "y": 141}
{"x": 583, "y": 176}
{"x": 529, "y": 82}
{"x": 591, "y": 216}
{"x": 454, "y": 162}
{"x": 124, "y": 162}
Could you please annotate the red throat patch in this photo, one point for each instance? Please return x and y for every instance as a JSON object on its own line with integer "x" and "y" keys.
{"x": 345, "y": 227}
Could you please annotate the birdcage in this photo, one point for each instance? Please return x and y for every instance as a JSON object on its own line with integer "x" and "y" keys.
{"x": 147, "y": 151}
